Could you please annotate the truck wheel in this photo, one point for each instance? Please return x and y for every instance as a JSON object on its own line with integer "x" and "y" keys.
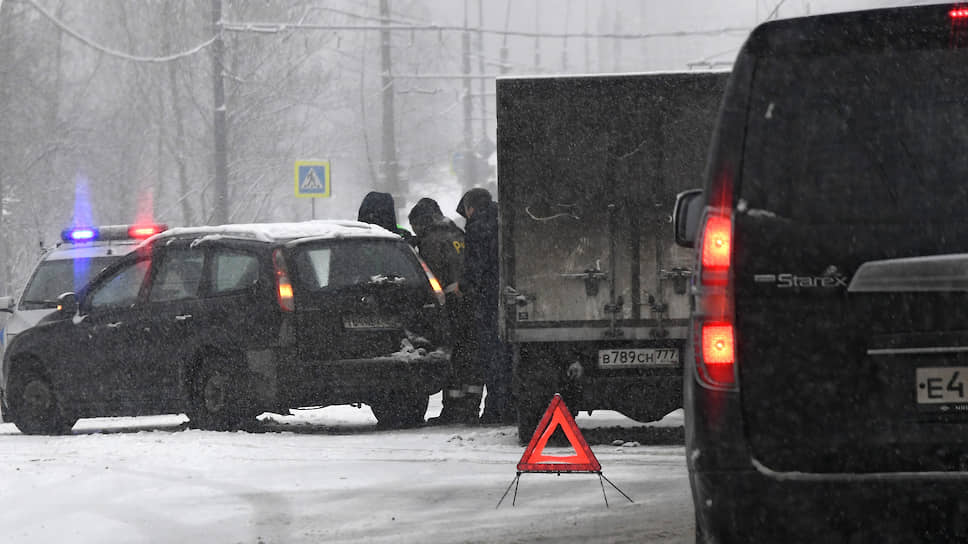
{"x": 395, "y": 410}
{"x": 217, "y": 400}
{"x": 530, "y": 410}
{"x": 35, "y": 405}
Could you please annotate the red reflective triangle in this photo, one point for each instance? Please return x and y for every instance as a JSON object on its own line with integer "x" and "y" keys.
{"x": 534, "y": 459}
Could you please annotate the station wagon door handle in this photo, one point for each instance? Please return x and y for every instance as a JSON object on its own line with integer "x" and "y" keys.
{"x": 183, "y": 317}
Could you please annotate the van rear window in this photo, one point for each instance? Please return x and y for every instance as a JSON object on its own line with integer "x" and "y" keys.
{"x": 859, "y": 137}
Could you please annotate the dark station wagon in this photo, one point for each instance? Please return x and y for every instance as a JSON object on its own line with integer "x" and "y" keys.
{"x": 224, "y": 323}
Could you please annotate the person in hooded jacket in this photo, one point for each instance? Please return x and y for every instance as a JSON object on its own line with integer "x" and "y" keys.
{"x": 479, "y": 283}
{"x": 378, "y": 209}
{"x": 441, "y": 245}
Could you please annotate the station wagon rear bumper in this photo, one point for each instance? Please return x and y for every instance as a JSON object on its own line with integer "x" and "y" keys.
{"x": 287, "y": 382}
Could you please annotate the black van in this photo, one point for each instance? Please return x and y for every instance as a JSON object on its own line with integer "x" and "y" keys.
{"x": 826, "y": 388}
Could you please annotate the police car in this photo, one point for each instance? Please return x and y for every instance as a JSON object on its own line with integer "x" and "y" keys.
{"x": 82, "y": 252}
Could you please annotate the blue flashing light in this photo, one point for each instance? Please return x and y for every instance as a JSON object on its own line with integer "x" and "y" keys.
{"x": 79, "y": 234}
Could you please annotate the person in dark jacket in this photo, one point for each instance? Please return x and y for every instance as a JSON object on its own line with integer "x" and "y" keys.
{"x": 377, "y": 209}
{"x": 441, "y": 245}
{"x": 479, "y": 284}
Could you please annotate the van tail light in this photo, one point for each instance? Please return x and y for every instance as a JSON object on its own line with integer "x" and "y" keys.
{"x": 283, "y": 285}
{"x": 434, "y": 283}
{"x": 716, "y": 249}
{"x": 715, "y": 333}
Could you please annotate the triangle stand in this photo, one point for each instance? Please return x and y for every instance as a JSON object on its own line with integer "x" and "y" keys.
{"x": 534, "y": 459}
{"x": 601, "y": 480}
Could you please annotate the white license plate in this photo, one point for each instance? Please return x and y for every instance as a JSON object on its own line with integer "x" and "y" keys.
{"x": 942, "y": 385}
{"x": 370, "y": 322}
{"x": 624, "y": 358}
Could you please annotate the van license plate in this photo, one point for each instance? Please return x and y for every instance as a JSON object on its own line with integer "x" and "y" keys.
{"x": 638, "y": 357}
{"x": 942, "y": 385}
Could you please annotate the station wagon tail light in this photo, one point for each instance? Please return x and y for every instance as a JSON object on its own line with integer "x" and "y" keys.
{"x": 434, "y": 282}
{"x": 283, "y": 285}
{"x": 958, "y": 13}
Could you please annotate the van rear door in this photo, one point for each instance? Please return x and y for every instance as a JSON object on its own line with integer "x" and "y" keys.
{"x": 855, "y": 153}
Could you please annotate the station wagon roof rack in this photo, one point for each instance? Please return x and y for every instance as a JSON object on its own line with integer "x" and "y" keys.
{"x": 276, "y": 232}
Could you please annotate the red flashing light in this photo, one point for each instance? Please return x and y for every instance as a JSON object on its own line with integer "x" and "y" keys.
{"x": 958, "y": 13}
{"x": 145, "y": 231}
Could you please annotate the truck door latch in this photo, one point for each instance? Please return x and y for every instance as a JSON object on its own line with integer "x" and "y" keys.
{"x": 591, "y": 276}
{"x": 680, "y": 278}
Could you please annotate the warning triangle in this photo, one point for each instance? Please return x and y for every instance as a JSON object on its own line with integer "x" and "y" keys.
{"x": 534, "y": 459}
{"x": 311, "y": 181}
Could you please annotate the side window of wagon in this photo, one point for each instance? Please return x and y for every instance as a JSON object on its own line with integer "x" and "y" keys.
{"x": 122, "y": 289}
{"x": 233, "y": 270}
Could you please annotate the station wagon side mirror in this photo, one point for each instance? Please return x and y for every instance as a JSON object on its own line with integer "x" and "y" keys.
{"x": 67, "y": 304}
{"x": 685, "y": 218}
{"x": 6, "y": 304}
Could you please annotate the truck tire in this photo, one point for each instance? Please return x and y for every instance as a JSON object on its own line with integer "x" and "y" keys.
{"x": 395, "y": 410}
{"x": 35, "y": 405}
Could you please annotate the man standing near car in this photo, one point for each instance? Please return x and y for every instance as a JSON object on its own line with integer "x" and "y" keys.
{"x": 479, "y": 284}
{"x": 441, "y": 245}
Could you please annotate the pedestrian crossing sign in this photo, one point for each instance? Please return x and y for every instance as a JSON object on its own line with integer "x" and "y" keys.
{"x": 312, "y": 179}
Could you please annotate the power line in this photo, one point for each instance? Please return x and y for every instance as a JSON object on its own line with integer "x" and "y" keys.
{"x": 114, "y": 52}
{"x": 272, "y": 27}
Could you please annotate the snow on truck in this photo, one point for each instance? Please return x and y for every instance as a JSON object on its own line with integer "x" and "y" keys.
{"x": 595, "y": 299}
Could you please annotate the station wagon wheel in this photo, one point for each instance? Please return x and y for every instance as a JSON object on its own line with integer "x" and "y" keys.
{"x": 218, "y": 401}
{"x": 397, "y": 409}
{"x": 35, "y": 406}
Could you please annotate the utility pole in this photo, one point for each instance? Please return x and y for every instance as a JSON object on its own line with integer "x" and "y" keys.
{"x": 564, "y": 41}
{"x": 220, "y": 127}
{"x": 470, "y": 176}
{"x": 389, "y": 170}
{"x": 504, "y": 42}
{"x": 588, "y": 59}
{"x": 480, "y": 70}
{"x": 537, "y": 40}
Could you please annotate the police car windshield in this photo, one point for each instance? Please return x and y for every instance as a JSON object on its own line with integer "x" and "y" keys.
{"x": 56, "y": 277}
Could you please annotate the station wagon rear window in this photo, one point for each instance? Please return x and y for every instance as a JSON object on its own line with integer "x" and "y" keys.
{"x": 354, "y": 263}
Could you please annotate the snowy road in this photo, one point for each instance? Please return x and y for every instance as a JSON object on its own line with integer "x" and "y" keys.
{"x": 325, "y": 476}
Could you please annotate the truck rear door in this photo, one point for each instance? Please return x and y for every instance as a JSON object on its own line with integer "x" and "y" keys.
{"x": 589, "y": 171}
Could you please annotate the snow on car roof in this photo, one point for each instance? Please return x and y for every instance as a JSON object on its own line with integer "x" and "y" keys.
{"x": 274, "y": 232}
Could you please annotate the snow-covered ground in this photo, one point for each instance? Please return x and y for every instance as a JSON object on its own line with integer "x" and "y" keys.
{"x": 328, "y": 475}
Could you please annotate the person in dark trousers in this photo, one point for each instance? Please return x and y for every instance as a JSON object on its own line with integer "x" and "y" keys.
{"x": 441, "y": 245}
{"x": 479, "y": 284}
{"x": 377, "y": 209}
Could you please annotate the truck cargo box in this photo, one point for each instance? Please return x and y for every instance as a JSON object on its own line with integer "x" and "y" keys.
{"x": 589, "y": 167}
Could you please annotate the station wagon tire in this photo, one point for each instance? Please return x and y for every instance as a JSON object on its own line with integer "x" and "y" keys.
{"x": 35, "y": 406}
{"x": 396, "y": 410}
{"x": 218, "y": 400}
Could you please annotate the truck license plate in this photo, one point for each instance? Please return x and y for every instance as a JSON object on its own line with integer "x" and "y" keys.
{"x": 942, "y": 385}
{"x": 624, "y": 358}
